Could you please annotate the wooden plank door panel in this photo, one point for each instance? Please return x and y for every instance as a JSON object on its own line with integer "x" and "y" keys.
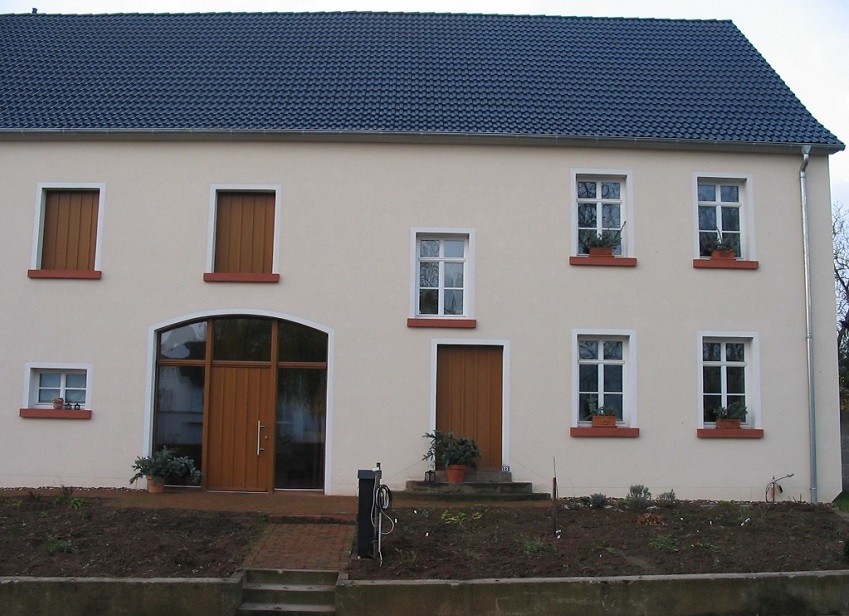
{"x": 469, "y": 385}
{"x": 241, "y": 400}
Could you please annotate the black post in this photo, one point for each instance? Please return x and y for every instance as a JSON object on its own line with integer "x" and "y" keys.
{"x": 366, "y": 531}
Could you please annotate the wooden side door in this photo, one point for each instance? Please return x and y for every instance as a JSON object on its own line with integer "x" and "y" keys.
{"x": 240, "y": 433}
{"x": 469, "y": 386}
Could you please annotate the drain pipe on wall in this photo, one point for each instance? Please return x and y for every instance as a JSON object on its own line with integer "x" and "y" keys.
{"x": 809, "y": 321}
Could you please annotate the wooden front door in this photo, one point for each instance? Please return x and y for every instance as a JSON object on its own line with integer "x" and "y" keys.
{"x": 241, "y": 423}
{"x": 469, "y": 385}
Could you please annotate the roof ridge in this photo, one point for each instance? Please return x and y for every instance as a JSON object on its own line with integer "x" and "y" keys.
{"x": 386, "y": 13}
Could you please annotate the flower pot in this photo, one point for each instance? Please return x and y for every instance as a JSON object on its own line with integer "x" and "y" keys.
{"x": 604, "y": 421}
{"x": 58, "y": 403}
{"x": 728, "y": 424}
{"x": 601, "y": 251}
{"x": 155, "y": 487}
{"x": 455, "y": 473}
{"x": 723, "y": 254}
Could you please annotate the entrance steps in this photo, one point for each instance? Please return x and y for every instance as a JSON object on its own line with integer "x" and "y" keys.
{"x": 478, "y": 485}
{"x": 291, "y": 592}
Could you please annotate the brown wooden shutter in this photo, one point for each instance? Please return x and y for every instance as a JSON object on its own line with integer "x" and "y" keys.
{"x": 70, "y": 230}
{"x": 244, "y": 232}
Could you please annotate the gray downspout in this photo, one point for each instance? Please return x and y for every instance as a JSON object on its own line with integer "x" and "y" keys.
{"x": 809, "y": 321}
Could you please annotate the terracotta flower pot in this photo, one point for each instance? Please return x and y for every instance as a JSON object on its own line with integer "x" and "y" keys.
{"x": 604, "y": 421}
{"x": 456, "y": 473}
{"x": 728, "y": 424}
{"x": 723, "y": 254}
{"x": 154, "y": 487}
{"x": 601, "y": 251}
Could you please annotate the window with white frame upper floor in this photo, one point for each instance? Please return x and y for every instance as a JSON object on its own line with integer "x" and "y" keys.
{"x": 442, "y": 271}
{"x": 67, "y": 231}
{"x": 720, "y": 220}
{"x": 600, "y": 212}
{"x": 724, "y": 224}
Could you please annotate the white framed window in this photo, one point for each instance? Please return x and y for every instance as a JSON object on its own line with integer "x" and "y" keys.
{"x": 724, "y": 212}
{"x": 47, "y": 382}
{"x": 604, "y": 374}
{"x": 728, "y": 375}
{"x": 67, "y": 231}
{"x": 601, "y": 208}
{"x": 244, "y": 223}
{"x": 442, "y": 274}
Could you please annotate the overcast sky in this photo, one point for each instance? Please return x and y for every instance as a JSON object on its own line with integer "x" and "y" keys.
{"x": 803, "y": 40}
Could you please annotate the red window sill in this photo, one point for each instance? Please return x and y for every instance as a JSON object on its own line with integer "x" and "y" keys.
{"x": 447, "y": 323}
{"x": 55, "y": 414}
{"x": 734, "y": 433}
{"x": 608, "y": 261}
{"x": 725, "y": 264}
{"x": 78, "y": 274}
{"x": 590, "y": 432}
{"x": 232, "y": 277}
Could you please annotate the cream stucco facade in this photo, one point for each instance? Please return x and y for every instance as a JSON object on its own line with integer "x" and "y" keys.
{"x": 347, "y": 218}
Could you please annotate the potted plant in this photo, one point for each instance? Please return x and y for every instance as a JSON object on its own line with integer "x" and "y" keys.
{"x": 602, "y": 244}
{"x": 455, "y": 453}
{"x": 721, "y": 247}
{"x": 730, "y": 417}
{"x": 602, "y": 416}
{"x": 164, "y": 465}
{"x": 58, "y": 403}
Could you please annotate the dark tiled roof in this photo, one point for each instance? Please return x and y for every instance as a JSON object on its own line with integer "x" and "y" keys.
{"x": 391, "y": 73}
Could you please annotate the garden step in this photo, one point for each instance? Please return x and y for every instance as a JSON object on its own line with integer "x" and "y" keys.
{"x": 294, "y": 592}
{"x": 475, "y": 490}
{"x": 263, "y": 609}
{"x": 290, "y": 576}
{"x": 312, "y": 594}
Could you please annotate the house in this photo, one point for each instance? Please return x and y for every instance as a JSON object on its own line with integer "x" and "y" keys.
{"x": 291, "y": 244}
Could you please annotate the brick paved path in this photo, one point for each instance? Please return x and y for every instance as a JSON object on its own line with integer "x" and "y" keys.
{"x": 304, "y": 546}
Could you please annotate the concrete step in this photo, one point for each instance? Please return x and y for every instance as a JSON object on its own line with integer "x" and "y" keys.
{"x": 269, "y": 609}
{"x": 481, "y": 475}
{"x": 294, "y": 592}
{"x": 291, "y": 576}
{"x": 486, "y": 490}
{"x": 306, "y": 594}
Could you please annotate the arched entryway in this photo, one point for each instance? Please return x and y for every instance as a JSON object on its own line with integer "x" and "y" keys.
{"x": 246, "y": 397}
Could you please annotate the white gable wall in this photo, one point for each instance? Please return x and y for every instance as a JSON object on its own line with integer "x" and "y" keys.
{"x": 344, "y": 261}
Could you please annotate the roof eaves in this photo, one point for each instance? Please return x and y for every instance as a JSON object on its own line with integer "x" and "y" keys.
{"x": 420, "y": 137}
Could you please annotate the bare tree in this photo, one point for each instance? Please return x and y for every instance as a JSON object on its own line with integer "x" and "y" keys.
{"x": 840, "y": 238}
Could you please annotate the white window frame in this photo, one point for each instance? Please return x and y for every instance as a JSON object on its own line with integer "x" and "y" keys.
{"x": 38, "y": 224}
{"x": 468, "y": 235}
{"x": 215, "y": 189}
{"x": 32, "y": 370}
{"x": 626, "y": 213}
{"x": 629, "y": 372}
{"x": 752, "y": 374}
{"x": 747, "y": 210}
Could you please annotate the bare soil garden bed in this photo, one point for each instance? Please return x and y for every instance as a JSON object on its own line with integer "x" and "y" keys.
{"x": 577, "y": 539}
{"x": 61, "y": 535}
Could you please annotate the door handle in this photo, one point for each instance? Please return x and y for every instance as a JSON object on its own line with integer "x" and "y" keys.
{"x": 259, "y": 428}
